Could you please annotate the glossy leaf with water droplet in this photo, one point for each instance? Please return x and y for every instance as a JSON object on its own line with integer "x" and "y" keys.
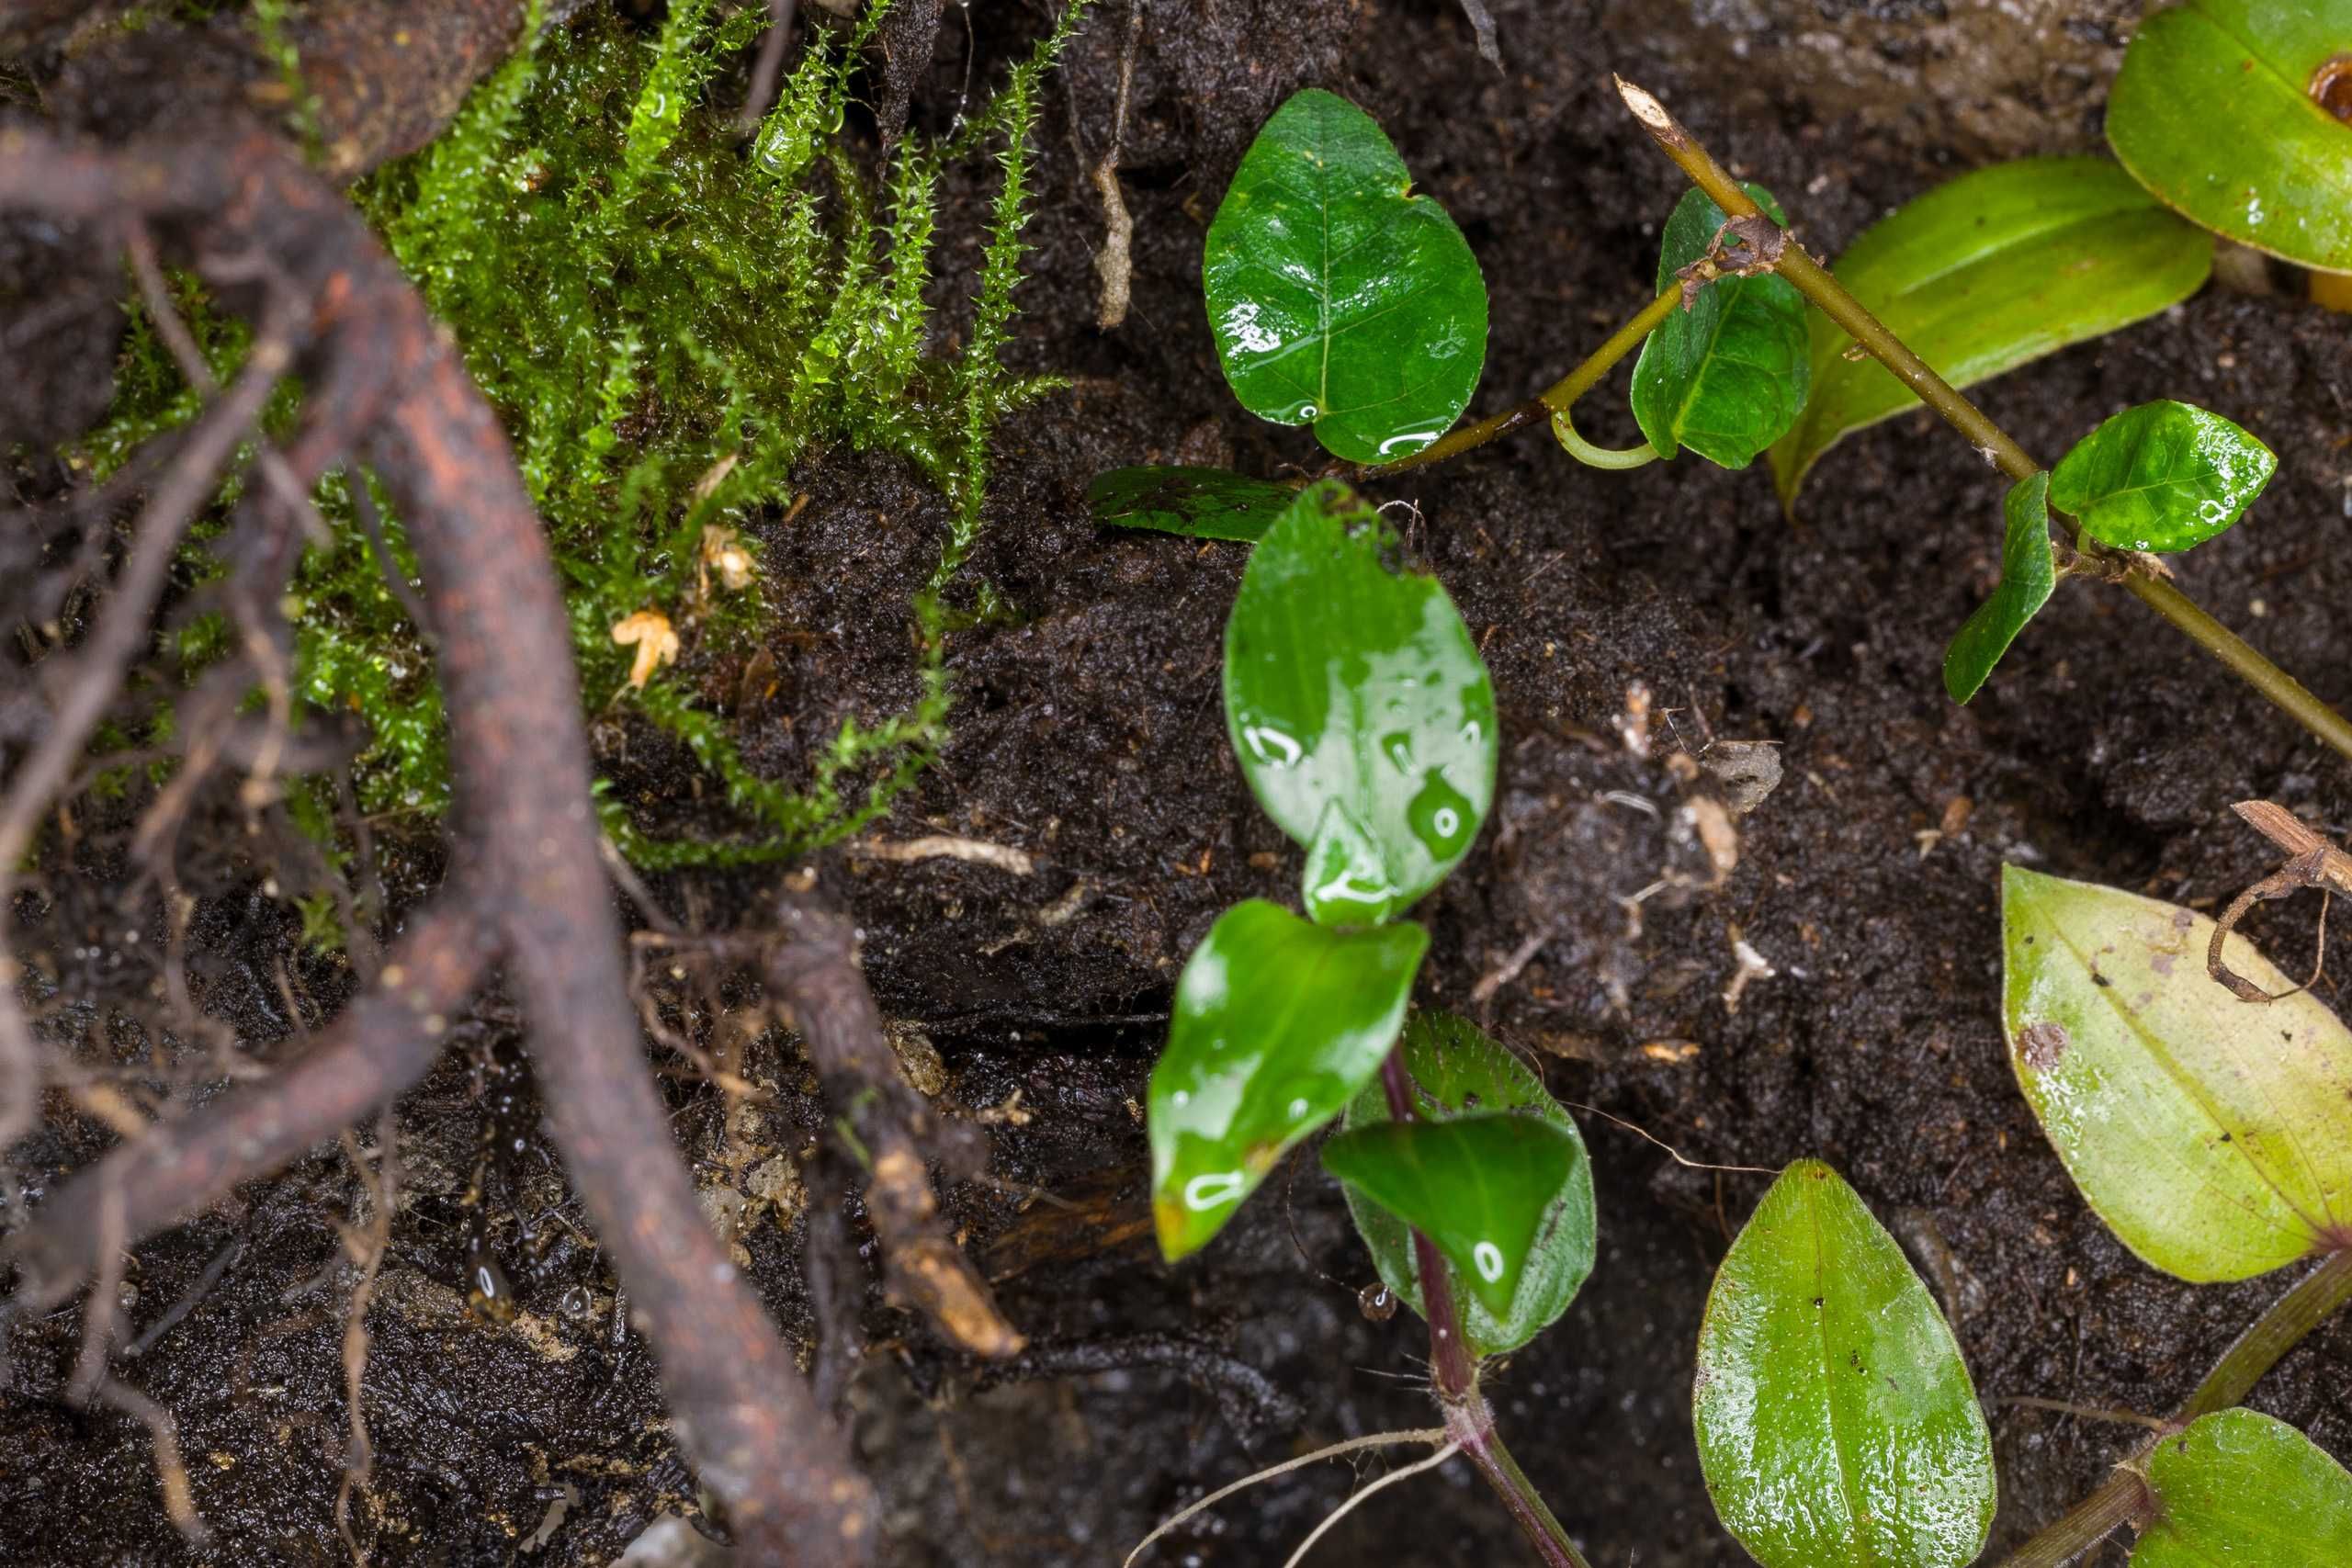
{"x": 1277, "y": 1024}
{"x": 1837, "y": 1425}
{"x": 1728, "y": 376}
{"x": 1359, "y": 708}
{"x": 2239, "y": 1489}
{"x": 2214, "y": 1137}
{"x": 1338, "y": 298}
{"x": 1987, "y": 273}
{"x": 2161, "y": 477}
{"x": 2028, "y": 575}
{"x": 2234, "y": 113}
{"x": 1478, "y": 1186}
{"x": 1202, "y": 503}
{"x": 1457, "y": 1071}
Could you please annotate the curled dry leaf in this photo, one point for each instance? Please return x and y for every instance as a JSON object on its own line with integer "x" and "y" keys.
{"x": 656, "y": 641}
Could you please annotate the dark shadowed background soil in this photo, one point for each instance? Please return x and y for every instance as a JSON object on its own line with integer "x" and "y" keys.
{"x": 1089, "y": 734}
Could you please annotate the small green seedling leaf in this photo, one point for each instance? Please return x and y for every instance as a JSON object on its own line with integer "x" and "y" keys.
{"x": 1837, "y": 1425}
{"x": 1457, "y": 1071}
{"x": 1728, "y": 376}
{"x": 2213, "y": 1137}
{"x": 1338, "y": 298}
{"x": 2161, "y": 477}
{"x": 2028, "y": 578}
{"x": 2234, "y": 113}
{"x": 1359, "y": 708}
{"x": 1480, "y": 1188}
{"x": 1278, "y": 1023}
{"x": 1203, "y": 504}
{"x": 2241, "y": 1490}
{"x": 1987, "y": 273}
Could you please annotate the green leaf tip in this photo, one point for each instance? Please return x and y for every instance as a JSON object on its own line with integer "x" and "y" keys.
{"x": 2028, "y": 575}
{"x": 1836, "y": 1421}
{"x": 1460, "y": 1074}
{"x": 1728, "y": 375}
{"x": 1278, "y": 1023}
{"x": 1338, "y": 298}
{"x": 1201, "y": 504}
{"x": 2213, "y": 1137}
{"x": 1360, "y": 711}
{"x": 2242, "y": 1488}
{"x": 2162, "y": 476}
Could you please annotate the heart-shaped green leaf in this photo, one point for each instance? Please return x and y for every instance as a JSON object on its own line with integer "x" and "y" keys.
{"x": 2161, "y": 477}
{"x": 1278, "y": 1023}
{"x": 2241, "y": 1490}
{"x": 2234, "y": 112}
{"x": 1338, "y": 298}
{"x": 1728, "y": 376}
{"x": 1458, "y": 1071}
{"x": 1205, "y": 503}
{"x": 1359, "y": 708}
{"x": 1837, "y": 1425}
{"x": 2028, "y": 575}
{"x": 1985, "y": 273}
{"x": 1480, "y": 1188}
{"x": 2213, "y": 1136}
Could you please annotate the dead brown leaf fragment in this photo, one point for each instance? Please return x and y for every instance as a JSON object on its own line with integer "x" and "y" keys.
{"x": 655, "y": 639}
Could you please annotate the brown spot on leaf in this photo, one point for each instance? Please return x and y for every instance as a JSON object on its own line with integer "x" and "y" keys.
{"x": 2044, "y": 1045}
{"x": 2332, "y": 87}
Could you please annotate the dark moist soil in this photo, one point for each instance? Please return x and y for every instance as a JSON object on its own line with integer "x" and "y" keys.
{"x": 1088, "y": 732}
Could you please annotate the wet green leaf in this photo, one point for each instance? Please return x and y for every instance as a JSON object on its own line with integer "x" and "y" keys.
{"x": 1457, "y": 1071}
{"x": 1359, "y": 708}
{"x": 1837, "y": 1425}
{"x": 2161, "y": 477}
{"x": 2215, "y": 112}
{"x": 1987, "y": 273}
{"x": 1278, "y": 1023}
{"x": 1205, "y": 503}
{"x": 2241, "y": 1490}
{"x": 1478, "y": 1186}
{"x": 1336, "y": 297}
{"x": 2028, "y": 578}
{"x": 2213, "y": 1136}
{"x": 1727, "y": 376}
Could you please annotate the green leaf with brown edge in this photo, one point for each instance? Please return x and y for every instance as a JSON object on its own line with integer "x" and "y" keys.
{"x": 1837, "y": 1425}
{"x": 1338, "y": 298}
{"x": 2239, "y": 1489}
{"x": 1202, "y": 503}
{"x": 1727, "y": 376}
{"x": 2213, "y": 1136}
{"x": 1458, "y": 1071}
{"x": 2028, "y": 575}
{"x": 1357, "y": 704}
{"x": 1277, "y": 1024}
{"x": 1987, "y": 273}
{"x": 2162, "y": 476}
{"x": 1479, "y": 1187}
{"x": 2234, "y": 113}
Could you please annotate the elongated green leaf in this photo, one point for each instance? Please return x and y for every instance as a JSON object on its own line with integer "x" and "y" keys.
{"x": 1480, "y": 1188}
{"x": 1203, "y": 503}
{"x": 1278, "y": 1023}
{"x": 1837, "y": 1425}
{"x": 2028, "y": 578}
{"x": 1727, "y": 376}
{"x": 2213, "y": 1136}
{"x": 1338, "y": 298}
{"x": 2241, "y": 1490}
{"x": 2161, "y": 477}
{"x": 1987, "y": 273}
{"x": 1458, "y": 1071}
{"x": 1359, "y": 708}
{"x": 2215, "y": 111}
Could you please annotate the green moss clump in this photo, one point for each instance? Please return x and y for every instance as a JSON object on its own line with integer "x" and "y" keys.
{"x": 669, "y": 322}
